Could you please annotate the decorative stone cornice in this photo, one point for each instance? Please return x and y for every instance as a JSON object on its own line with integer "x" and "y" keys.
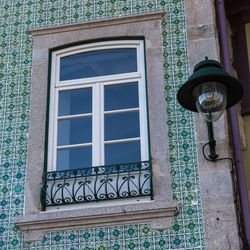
{"x": 98, "y": 23}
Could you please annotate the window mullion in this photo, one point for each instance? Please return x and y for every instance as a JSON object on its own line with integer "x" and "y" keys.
{"x": 96, "y": 125}
{"x": 102, "y": 158}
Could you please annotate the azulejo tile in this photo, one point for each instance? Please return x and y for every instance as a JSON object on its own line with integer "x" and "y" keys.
{"x": 101, "y": 234}
{"x": 87, "y": 236}
{"x": 57, "y": 238}
{"x": 145, "y": 231}
{"x": 116, "y": 233}
{"x": 87, "y": 246}
{"x": 131, "y": 231}
{"x": 146, "y": 243}
{"x": 71, "y": 237}
{"x": 132, "y": 244}
{"x": 116, "y": 245}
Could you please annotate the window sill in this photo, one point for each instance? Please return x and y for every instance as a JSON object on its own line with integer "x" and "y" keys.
{"x": 158, "y": 213}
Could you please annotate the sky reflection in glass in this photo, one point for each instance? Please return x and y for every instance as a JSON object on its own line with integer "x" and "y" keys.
{"x": 122, "y": 125}
{"x": 122, "y": 152}
{"x": 122, "y": 96}
{"x": 73, "y": 102}
{"x": 74, "y": 131}
{"x": 98, "y": 63}
{"x": 74, "y": 158}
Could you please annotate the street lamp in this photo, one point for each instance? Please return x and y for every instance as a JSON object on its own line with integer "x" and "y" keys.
{"x": 210, "y": 90}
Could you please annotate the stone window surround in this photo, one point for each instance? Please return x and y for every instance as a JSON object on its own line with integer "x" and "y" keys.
{"x": 34, "y": 223}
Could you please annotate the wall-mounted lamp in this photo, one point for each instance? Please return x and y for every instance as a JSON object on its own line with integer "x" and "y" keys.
{"x": 210, "y": 90}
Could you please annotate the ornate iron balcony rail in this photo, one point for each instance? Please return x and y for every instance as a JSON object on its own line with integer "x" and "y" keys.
{"x": 111, "y": 182}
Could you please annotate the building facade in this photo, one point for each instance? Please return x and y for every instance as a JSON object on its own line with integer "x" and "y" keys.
{"x": 185, "y": 202}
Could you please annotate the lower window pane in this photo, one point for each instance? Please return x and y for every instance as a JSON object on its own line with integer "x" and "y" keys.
{"x": 122, "y": 152}
{"x": 73, "y": 158}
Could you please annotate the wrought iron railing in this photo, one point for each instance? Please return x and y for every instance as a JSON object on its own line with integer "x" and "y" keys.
{"x": 111, "y": 182}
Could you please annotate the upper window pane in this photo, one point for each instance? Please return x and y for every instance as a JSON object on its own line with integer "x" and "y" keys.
{"x": 98, "y": 63}
{"x": 122, "y": 96}
{"x": 73, "y": 102}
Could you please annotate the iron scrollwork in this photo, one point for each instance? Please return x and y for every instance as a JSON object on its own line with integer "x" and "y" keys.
{"x": 100, "y": 183}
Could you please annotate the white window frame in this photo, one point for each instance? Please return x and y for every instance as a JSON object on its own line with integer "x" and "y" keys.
{"x": 97, "y": 84}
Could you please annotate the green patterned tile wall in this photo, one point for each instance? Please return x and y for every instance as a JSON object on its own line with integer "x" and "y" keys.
{"x": 16, "y": 18}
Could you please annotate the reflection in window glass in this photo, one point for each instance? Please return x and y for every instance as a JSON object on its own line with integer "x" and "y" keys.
{"x": 122, "y": 152}
{"x": 98, "y": 63}
{"x": 72, "y": 102}
{"x": 74, "y": 131}
{"x": 73, "y": 158}
{"x": 122, "y": 125}
{"x": 122, "y": 96}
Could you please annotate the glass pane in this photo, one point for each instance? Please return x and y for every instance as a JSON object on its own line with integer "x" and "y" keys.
{"x": 122, "y": 96}
{"x": 98, "y": 63}
{"x": 72, "y": 102}
{"x": 122, "y": 152}
{"x": 122, "y": 125}
{"x": 73, "y": 158}
{"x": 74, "y": 131}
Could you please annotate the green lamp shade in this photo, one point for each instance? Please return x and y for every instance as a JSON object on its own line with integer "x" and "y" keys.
{"x": 209, "y": 74}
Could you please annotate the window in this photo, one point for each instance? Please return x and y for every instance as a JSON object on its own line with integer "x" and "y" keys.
{"x": 98, "y": 106}
{"x": 98, "y": 136}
